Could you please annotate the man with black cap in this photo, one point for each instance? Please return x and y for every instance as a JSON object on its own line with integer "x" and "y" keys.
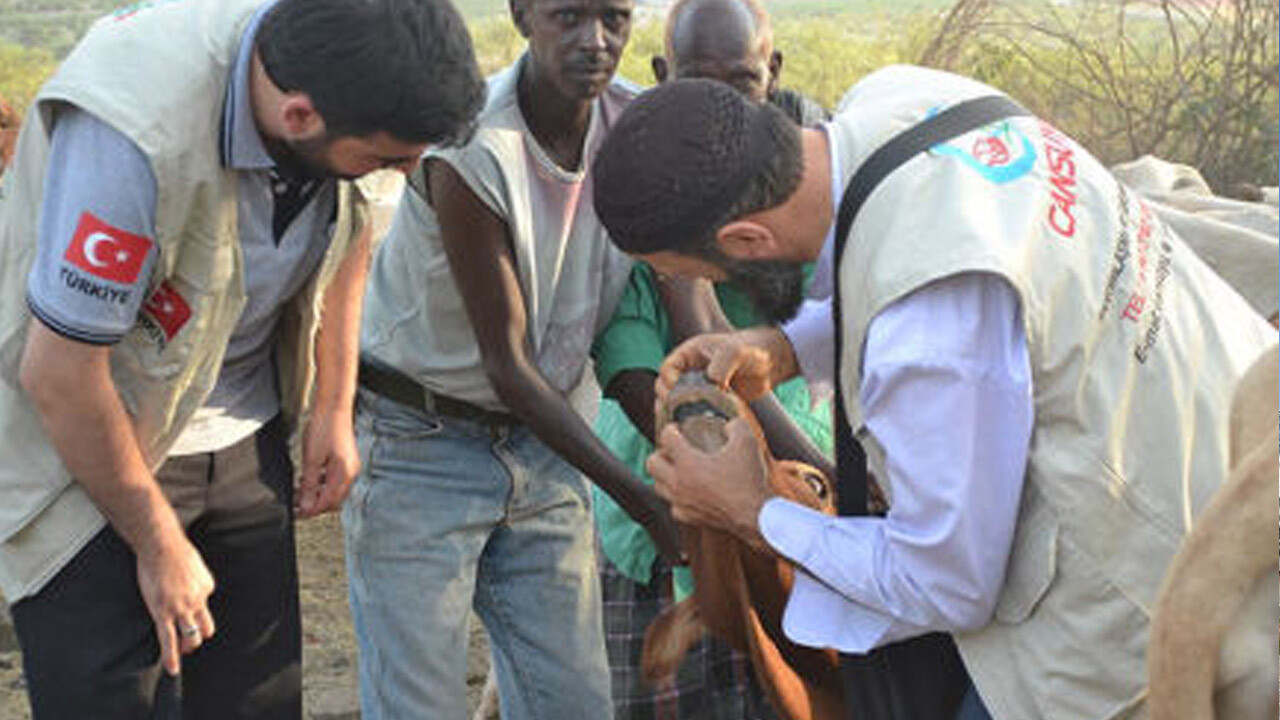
{"x": 1038, "y": 369}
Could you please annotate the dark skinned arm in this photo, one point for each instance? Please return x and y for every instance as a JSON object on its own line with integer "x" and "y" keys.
{"x": 633, "y": 389}
{"x": 480, "y": 259}
{"x": 693, "y": 309}
{"x": 691, "y": 306}
{"x": 786, "y": 440}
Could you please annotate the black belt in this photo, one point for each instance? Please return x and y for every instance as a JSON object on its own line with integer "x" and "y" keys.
{"x": 395, "y": 385}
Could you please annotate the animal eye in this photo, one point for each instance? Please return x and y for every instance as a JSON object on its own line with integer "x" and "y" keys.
{"x": 817, "y": 483}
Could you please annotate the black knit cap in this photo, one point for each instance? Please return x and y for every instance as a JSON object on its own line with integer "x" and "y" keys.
{"x": 678, "y": 159}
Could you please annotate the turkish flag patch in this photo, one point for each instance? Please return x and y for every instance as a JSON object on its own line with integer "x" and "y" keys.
{"x": 107, "y": 252}
{"x": 168, "y": 309}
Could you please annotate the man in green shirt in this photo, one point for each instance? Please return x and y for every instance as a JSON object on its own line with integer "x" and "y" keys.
{"x": 730, "y": 41}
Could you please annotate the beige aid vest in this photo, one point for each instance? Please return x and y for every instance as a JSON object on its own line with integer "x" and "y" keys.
{"x": 1135, "y": 346}
{"x": 1240, "y": 240}
{"x": 168, "y": 100}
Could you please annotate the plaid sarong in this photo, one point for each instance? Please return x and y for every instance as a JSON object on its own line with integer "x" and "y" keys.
{"x": 714, "y": 682}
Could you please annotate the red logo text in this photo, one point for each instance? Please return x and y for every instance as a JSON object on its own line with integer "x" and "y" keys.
{"x": 1062, "y": 181}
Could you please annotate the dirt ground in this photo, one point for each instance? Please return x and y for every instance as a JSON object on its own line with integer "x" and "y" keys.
{"x": 328, "y": 651}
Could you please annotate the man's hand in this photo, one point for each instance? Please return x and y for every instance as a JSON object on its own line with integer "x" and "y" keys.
{"x": 330, "y": 462}
{"x": 750, "y": 362}
{"x": 70, "y": 384}
{"x": 723, "y": 490}
{"x": 176, "y": 585}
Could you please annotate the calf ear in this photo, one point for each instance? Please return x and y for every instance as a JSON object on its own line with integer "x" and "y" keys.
{"x": 669, "y": 638}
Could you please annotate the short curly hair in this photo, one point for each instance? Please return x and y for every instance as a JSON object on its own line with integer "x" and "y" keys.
{"x": 687, "y": 157}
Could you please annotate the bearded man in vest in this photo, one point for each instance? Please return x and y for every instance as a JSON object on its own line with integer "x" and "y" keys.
{"x": 180, "y": 217}
{"x": 1038, "y": 369}
{"x": 730, "y": 41}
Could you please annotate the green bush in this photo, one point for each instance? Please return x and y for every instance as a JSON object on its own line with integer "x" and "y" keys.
{"x": 1191, "y": 82}
{"x": 1104, "y": 73}
{"x": 22, "y": 70}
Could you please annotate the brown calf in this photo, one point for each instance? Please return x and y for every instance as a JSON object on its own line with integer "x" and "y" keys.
{"x": 741, "y": 592}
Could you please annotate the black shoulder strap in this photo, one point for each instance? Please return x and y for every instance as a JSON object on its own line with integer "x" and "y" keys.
{"x": 851, "y": 460}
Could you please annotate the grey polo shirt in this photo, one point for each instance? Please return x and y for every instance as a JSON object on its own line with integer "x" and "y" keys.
{"x": 96, "y": 252}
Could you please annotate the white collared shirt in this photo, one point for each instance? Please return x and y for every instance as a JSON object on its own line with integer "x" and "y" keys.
{"x": 946, "y": 390}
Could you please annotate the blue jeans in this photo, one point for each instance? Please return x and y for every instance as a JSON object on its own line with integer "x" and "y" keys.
{"x": 447, "y": 515}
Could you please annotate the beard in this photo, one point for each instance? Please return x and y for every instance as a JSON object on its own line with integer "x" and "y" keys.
{"x": 304, "y": 159}
{"x": 774, "y": 287}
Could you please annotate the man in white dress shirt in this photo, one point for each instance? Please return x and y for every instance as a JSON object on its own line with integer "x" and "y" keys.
{"x": 1038, "y": 369}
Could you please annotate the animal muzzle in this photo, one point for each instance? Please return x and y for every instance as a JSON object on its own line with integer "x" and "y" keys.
{"x": 741, "y": 592}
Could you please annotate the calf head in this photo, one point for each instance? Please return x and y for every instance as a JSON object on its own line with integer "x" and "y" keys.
{"x": 741, "y": 592}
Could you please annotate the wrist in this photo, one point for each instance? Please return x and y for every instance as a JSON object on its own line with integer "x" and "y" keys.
{"x": 335, "y": 387}
{"x": 785, "y": 363}
{"x": 161, "y": 534}
{"x": 334, "y": 407}
{"x": 748, "y": 529}
{"x": 750, "y": 532}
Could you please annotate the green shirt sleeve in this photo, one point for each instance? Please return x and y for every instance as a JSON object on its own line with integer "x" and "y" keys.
{"x": 636, "y": 335}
